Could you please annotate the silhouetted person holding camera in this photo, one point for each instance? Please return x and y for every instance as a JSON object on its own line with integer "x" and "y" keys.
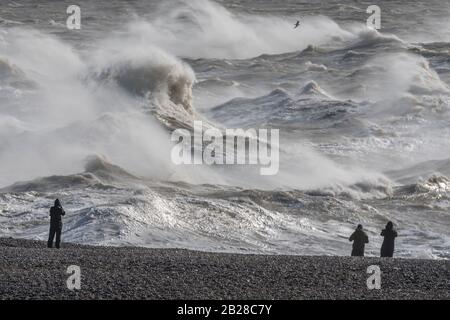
{"x": 389, "y": 234}
{"x": 56, "y": 212}
{"x": 359, "y": 238}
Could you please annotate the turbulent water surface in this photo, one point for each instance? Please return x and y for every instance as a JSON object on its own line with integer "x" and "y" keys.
{"x": 86, "y": 116}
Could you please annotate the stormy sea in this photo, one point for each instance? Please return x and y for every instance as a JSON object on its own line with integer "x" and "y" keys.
{"x": 86, "y": 116}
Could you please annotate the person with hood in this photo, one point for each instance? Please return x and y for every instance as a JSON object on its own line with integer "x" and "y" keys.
{"x": 359, "y": 238}
{"x": 389, "y": 234}
{"x": 56, "y": 212}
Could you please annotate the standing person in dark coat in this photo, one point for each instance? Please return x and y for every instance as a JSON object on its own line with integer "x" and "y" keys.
{"x": 359, "y": 238}
{"x": 389, "y": 234}
{"x": 56, "y": 212}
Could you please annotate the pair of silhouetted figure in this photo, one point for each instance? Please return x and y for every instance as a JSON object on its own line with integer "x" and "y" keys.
{"x": 56, "y": 212}
{"x": 360, "y": 238}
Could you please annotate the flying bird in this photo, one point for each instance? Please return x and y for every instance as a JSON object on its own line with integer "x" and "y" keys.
{"x": 297, "y": 24}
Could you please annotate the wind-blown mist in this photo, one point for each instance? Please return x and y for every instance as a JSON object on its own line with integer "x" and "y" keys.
{"x": 363, "y": 120}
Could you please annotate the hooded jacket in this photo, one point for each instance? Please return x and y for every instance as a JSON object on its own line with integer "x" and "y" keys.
{"x": 56, "y": 212}
{"x": 389, "y": 234}
{"x": 359, "y": 238}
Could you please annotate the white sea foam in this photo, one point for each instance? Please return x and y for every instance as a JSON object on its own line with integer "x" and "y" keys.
{"x": 351, "y": 103}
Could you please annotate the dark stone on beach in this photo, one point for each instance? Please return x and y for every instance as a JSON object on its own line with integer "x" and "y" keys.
{"x": 28, "y": 270}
